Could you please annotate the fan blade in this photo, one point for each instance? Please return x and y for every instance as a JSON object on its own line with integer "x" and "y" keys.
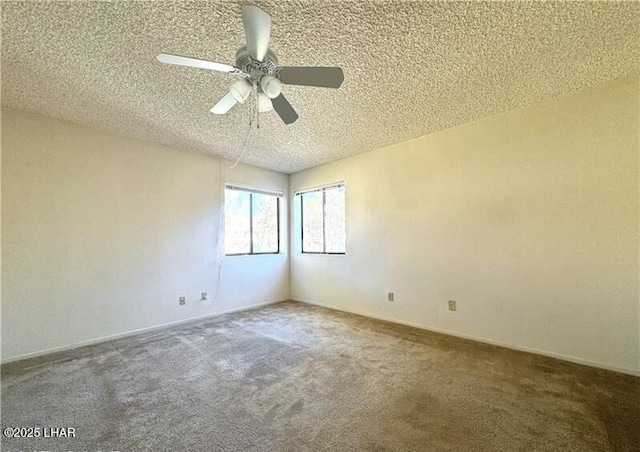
{"x": 194, "y": 62}
{"x": 257, "y": 29}
{"x": 284, "y": 109}
{"x": 325, "y": 77}
{"x": 224, "y": 105}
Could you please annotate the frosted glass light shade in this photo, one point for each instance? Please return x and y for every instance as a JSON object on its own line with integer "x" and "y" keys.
{"x": 240, "y": 90}
{"x": 264, "y": 103}
{"x": 271, "y": 86}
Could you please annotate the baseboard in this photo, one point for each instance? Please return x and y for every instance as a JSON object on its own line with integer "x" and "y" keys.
{"x": 559, "y": 356}
{"x": 133, "y": 332}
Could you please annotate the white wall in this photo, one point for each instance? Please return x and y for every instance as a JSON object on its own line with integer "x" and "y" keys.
{"x": 0, "y": 236}
{"x": 102, "y": 234}
{"x": 529, "y": 220}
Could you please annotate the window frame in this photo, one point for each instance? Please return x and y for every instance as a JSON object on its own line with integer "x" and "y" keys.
{"x": 322, "y": 189}
{"x": 255, "y": 191}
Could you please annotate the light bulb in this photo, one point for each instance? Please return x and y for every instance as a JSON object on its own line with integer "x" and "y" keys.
{"x": 240, "y": 90}
{"x": 264, "y": 103}
{"x": 271, "y": 86}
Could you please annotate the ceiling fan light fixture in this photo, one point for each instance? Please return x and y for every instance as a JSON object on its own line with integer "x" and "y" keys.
{"x": 271, "y": 86}
{"x": 264, "y": 103}
{"x": 259, "y": 67}
{"x": 240, "y": 90}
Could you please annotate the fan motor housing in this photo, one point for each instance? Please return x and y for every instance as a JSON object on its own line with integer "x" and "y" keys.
{"x": 255, "y": 68}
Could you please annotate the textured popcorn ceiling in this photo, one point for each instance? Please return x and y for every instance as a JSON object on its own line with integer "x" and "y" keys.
{"x": 411, "y": 68}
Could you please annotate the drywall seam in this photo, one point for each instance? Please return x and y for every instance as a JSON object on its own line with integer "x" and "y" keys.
{"x": 483, "y": 340}
{"x": 135, "y": 332}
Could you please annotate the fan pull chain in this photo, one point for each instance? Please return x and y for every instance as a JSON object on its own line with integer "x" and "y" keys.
{"x": 257, "y": 110}
{"x": 246, "y": 136}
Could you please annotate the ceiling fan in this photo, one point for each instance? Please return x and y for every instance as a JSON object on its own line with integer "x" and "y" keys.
{"x": 259, "y": 69}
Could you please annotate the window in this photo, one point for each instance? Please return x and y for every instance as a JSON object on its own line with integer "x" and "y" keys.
{"x": 252, "y": 221}
{"x": 322, "y": 220}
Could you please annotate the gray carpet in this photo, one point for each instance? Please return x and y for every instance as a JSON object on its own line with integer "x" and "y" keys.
{"x": 293, "y": 377}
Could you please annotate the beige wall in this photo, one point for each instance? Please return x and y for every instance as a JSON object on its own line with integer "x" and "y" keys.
{"x": 101, "y": 235}
{"x": 529, "y": 220}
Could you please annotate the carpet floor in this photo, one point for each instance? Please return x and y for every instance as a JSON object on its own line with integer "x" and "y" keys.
{"x": 295, "y": 377}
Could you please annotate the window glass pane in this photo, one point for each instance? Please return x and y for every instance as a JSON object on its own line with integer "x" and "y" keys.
{"x": 312, "y": 236}
{"x": 334, "y": 220}
{"x": 236, "y": 211}
{"x": 265, "y": 223}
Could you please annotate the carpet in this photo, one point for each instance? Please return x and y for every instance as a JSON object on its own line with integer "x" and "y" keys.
{"x": 295, "y": 377}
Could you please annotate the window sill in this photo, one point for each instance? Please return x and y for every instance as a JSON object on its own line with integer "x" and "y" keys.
{"x": 254, "y": 254}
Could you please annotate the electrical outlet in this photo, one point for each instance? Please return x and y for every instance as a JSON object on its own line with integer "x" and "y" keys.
{"x": 204, "y": 296}
{"x": 390, "y": 296}
{"x": 183, "y": 301}
{"x": 452, "y": 305}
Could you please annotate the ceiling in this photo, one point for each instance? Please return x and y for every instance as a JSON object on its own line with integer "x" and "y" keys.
{"x": 411, "y": 68}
